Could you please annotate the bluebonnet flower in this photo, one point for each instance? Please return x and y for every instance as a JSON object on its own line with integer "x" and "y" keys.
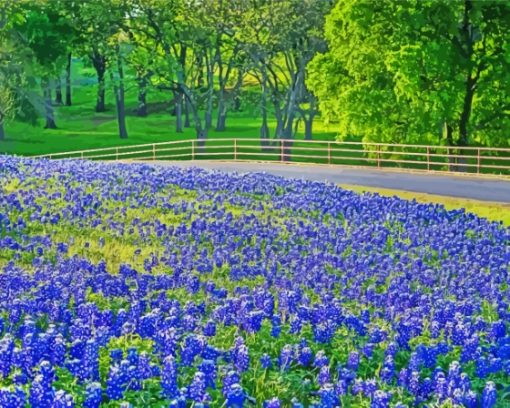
{"x": 241, "y": 358}
{"x": 265, "y": 361}
{"x": 62, "y": 400}
{"x": 115, "y": 383}
{"x": 357, "y": 387}
{"x": 381, "y": 399}
{"x": 231, "y": 378}
{"x": 353, "y": 361}
{"x": 208, "y": 368}
{"x": 286, "y": 356}
{"x": 169, "y": 378}
{"x": 276, "y": 326}
{"x": 305, "y": 356}
{"x": 41, "y": 393}
{"x": 93, "y": 395}
{"x": 210, "y": 328}
{"x": 272, "y": 403}
{"x": 144, "y": 366}
{"x": 470, "y": 400}
{"x": 197, "y": 388}
{"x": 13, "y": 398}
{"x": 321, "y": 359}
{"x": 324, "y": 376}
{"x": 328, "y": 397}
{"x": 235, "y": 396}
{"x": 489, "y": 395}
{"x": 314, "y": 252}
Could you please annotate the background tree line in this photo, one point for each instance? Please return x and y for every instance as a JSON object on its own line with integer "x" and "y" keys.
{"x": 435, "y": 71}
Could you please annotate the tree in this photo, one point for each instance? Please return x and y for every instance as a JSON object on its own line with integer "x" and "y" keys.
{"x": 97, "y": 21}
{"x": 45, "y": 31}
{"x": 69, "y": 10}
{"x": 182, "y": 41}
{"x": 280, "y": 39}
{"x": 16, "y": 76}
{"x": 100, "y": 27}
{"x": 225, "y": 53}
{"x": 440, "y": 70}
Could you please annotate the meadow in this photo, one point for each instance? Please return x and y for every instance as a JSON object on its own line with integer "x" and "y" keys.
{"x": 136, "y": 285}
{"x": 80, "y": 127}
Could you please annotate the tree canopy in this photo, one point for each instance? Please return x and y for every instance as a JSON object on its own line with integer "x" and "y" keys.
{"x": 435, "y": 71}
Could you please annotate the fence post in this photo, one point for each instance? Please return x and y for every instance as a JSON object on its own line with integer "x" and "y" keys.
{"x": 281, "y": 150}
{"x": 235, "y": 149}
{"x": 153, "y": 151}
{"x": 50, "y": 157}
{"x": 82, "y": 154}
{"x": 116, "y": 154}
{"x": 193, "y": 149}
{"x": 478, "y": 162}
{"x": 329, "y": 152}
{"x": 378, "y": 156}
{"x": 428, "y": 158}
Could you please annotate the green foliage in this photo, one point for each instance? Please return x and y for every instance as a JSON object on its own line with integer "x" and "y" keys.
{"x": 439, "y": 72}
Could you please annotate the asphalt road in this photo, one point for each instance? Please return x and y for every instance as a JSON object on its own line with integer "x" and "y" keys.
{"x": 477, "y": 188}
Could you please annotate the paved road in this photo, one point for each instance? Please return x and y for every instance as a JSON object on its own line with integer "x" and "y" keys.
{"x": 486, "y": 189}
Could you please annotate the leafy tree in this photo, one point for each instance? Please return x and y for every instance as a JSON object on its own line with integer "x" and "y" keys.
{"x": 44, "y": 32}
{"x": 408, "y": 71}
{"x": 97, "y": 21}
{"x": 183, "y": 44}
{"x": 226, "y": 56}
{"x": 280, "y": 39}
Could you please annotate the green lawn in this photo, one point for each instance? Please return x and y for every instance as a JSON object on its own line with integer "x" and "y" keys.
{"x": 80, "y": 127}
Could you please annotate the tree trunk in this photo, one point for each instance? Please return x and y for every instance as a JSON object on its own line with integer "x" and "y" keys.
{"x": 58, "y": 91}
{"x": 178, "y": 112}
{"x": 100, "y": 104}
{"x": 471, "y": 82}
{"x": 48, "y": 107}
{"x": 237, "y": 91}
{"x": 236, "y": 107}
{"x": 141, "y": 109}
{"x": 264, "y": 128}
{"x": 2, "y": 131}
{"x": 187, "y": 122}
{"x": 68, "y": 80}
{"x": 308, "y": 127}
{"x": 200, "y": 78}
{"x": 448, "y": 130}
{"x": 201, "y": 132}
{"x": 279, "y": 122}
{"x": 221, "y": 120}
{"x": 312, "y": 111}
{"x": 464, "y": 121}
{"x": 208, "y": 118}
{"x": 119, "y": 99}
{"x": 209, "y": 109}
{"x": 99, "y": 62}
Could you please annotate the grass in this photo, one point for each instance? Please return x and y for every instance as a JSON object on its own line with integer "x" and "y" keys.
{"x": 80, "y": 127}
{"x": 491, "y": 210}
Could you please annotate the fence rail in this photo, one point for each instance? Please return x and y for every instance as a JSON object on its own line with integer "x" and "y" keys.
{"x": 475, "y": 160}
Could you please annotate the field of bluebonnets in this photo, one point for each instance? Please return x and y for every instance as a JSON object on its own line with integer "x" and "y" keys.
{"x": 133, "y": 285}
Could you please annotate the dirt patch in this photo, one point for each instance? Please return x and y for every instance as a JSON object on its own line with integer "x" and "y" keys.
{"x": 99, "y": 120}
{"x": 155, "y": 107}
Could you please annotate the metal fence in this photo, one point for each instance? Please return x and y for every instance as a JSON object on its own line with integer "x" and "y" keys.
{"x": 475, "y": 160}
